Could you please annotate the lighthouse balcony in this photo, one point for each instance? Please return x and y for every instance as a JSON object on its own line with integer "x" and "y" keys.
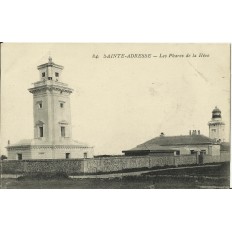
{"x": 49, "y": 82}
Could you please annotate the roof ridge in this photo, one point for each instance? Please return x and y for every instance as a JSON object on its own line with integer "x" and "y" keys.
{"x": 179, "y": 140}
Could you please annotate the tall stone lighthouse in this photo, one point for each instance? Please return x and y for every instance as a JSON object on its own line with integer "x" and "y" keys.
{"x": 217, "y": 126}
{"x": 51, "y": 105}
{"x": 52, "y": 120}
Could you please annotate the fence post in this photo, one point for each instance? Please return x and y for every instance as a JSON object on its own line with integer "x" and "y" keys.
{"x": 1, "y": 173}
{"x": 83, "y": 160}
{"x": 175, "y": 161}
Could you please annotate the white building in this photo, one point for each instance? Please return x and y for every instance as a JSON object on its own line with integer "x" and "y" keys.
{"x": 52, "y": 121}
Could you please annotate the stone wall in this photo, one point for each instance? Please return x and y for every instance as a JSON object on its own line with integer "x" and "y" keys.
{"x": 185, "y": 160}
{"x": 113, "y": 164}
{"x": 211, "y": 159}
{"x": 42, "y": 166}
{"x": 161, "y": 161}
{"x": 225, "y": 156}
{"x": 105, "y": 164}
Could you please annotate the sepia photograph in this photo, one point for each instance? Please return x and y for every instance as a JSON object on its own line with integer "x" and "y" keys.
{"x": 115, "y": 116}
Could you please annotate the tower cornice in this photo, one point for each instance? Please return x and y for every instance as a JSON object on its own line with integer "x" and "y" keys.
{"x": 50, "y": 87}
{"x": 216, "y": 123}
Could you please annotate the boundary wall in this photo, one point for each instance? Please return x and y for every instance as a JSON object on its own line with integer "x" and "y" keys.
{"x": 106, "y": 164}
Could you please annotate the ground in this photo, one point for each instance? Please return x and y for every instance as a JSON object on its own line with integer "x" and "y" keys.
{"x": 212, "y": 176}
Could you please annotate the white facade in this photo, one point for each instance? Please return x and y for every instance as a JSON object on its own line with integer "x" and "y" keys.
{"x": 207, "y": 149}
{"x": 49, "y": 152}
{"x": 52, "y": 121}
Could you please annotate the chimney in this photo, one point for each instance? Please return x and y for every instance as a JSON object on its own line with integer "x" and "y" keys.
{"x": 8, "y": 142}
{"x": 199, "y": 132}
{"x": 190, "y": 132}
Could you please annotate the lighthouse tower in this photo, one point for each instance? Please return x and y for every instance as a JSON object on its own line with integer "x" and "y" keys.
{"x": 51, "y": 105}
{"x": 52, "y": 121}
{"x": 217, "y": 126}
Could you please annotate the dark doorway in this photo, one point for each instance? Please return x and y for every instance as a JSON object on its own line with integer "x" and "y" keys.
{"x": 20, "y": 156}
{"x": 201, "y": 158}
{"x": 67, "y": 155}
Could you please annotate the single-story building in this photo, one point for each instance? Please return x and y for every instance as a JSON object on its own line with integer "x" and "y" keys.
{"x": 177, "y": 145}
{"x": 151, "y": 149}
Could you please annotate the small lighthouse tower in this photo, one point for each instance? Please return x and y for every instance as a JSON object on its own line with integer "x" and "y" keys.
{"x": 217, "y": 126}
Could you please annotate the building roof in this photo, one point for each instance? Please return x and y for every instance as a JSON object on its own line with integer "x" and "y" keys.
{"x": 158, "y": 144}
{"x": 179, "y": 140}
{"x": 216, "y": 110}
{"x": 50, "y": 63}
{"x": 22, "y": 142}
{"x": 151, "y": 148}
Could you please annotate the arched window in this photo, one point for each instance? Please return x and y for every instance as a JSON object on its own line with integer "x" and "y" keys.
{"x": 41, "y": 131}
{"x": 63, "y": 128}
{"x": 62, "y": 131}
{"x": 39, "y": 104}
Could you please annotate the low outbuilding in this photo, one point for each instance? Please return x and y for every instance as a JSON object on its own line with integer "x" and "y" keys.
{"x": 177, "y": 145}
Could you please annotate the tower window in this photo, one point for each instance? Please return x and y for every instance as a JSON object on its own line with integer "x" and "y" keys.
{"x": 85, "y": 155}
{"x": 61, "y": 104}
{"x": 57, "y": 74}
{"x": 62, "y": 131}
{"x": 40, "y": 131}
{"x": 49, "y": 78}
{"x": 43, "y": 74}
{"x": 40, "y": 105}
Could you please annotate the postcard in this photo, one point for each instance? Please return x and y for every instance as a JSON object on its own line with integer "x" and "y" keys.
{"x": 115, "y": 115}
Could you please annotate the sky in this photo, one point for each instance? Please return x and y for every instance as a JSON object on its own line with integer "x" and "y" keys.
{"x": 119, "y": 103}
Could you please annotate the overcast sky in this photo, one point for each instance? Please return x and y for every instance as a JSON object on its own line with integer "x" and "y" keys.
{"x": 120, "y": 103}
